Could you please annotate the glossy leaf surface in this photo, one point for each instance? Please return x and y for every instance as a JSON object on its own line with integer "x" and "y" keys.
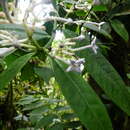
{"x": 82, "y": 99}
{"x": 107, "y": 78}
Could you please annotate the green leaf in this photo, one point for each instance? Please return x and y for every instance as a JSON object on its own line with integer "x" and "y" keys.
{"x": 27, "y": 100}
{"x": 120, "y": 29}
{"x": 58, "y": 126}
{"x": 10, "y": 59}
{"x": 27, "y": 72}
{"x": 40, "y": 110}
{"x": 33, "y": 105}
{"x": 34, "y": 118}
{"x": 45, "y": 73}
{"x": 49, "y": 27}
{"x": 69, "y": 116}
{"x": 69, "y": 34}
{"x": 128, "y": 75}
{"x": 80, "y": 13}
{"x": 2, "y": 65}
{"x": 96, "y": 29}
{"x": 107, "y": 78}
{"x": 7, "y": 75}
{"x": 119, "y": 9}
{"x": 62, "y": 108}
{"x": 72, "y": 124}
{"x": 82, "y": 98}
{"x": 45, "y": 121}
{"x": 100, "y": 8}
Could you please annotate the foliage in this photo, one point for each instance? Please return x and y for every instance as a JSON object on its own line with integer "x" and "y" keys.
{"x": 66, "y": 70}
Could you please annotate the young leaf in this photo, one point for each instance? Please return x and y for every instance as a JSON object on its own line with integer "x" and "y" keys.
{"x": 7, "y": 75}
{"x": 107, "y": 78}
{"x": 120, "y": 29}
{"x": 82, "y": 98}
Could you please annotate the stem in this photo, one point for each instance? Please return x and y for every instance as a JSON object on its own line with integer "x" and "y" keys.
{"x": 68, "y": 21}
{"x": 27, "y": 46}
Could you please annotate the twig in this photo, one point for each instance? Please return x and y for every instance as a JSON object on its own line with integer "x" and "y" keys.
{"x": 68, "y": 21}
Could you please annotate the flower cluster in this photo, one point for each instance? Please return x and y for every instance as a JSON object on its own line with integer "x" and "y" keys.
{"x": 36, "y": 13}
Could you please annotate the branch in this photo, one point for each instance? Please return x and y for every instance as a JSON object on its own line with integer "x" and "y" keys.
{"x": 68, "y": 21}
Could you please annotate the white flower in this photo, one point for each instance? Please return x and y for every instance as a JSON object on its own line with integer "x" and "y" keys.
{"x": 94, "y": 46}
{"x": 100, "y": 24}
{"x": 76, "y": 65}
{"x": 59, "y": 35}
{"x": 6, "y": 51}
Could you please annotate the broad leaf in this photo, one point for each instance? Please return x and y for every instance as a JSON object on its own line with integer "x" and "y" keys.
{"x": 7, "y": 75}
{"x": 120, "y": 29}
{"x": 82, "y": 98}
{"x": 107, "y": 78}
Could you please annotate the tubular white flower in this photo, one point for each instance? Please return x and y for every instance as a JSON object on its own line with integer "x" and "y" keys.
{"x": 6, "y": 51}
